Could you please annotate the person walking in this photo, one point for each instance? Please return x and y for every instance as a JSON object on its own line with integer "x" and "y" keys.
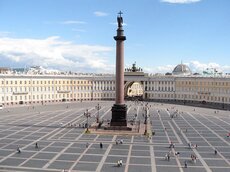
{"x": 215, "y": 152}
{"x": 177, "y": 153}
{"x": 87, "y": 145}
{"x": 18, "y": 149}
{"x": 185, "y": 164}
{"x": 36, "y": 145}
{"x": 119, "y": 163}
{"x": 168, "y": 157}
{"x": 101, "y": 145}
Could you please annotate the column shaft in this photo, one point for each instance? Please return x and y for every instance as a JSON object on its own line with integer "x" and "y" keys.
{"x": 119, "y": 72}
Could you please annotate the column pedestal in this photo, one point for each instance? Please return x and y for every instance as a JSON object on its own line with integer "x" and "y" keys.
{"x": 119, "y": 113}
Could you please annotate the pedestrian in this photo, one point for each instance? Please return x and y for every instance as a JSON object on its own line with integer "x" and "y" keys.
{"x": 101, "y": 145}
{"x": 228, "y": 134}
{"x": 194, "y": 159}
{"x": 119, "y": 163}
{"x": 36, "y": 145}
{"x": 195, "y": 146}
{"x": 18, "y": 149}
{"x": 87, "y": 145}
{"x": 177, "y": 153}
{"x": 185, "y": 164}
{"x": 215, "y": 152}
{"x": 168, "y": 157}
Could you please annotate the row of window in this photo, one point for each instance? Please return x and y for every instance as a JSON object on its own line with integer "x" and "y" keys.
{"x": 213, "y": 83}
{"x": 56, "y": 96}
{"x": 204, "y": 89}
{"x": 159, "y": 82}
{"x": 190, "y": 97}
{"x": 160, "y": 89}
{"x": 57, "y": 88}
{"x": 6, "y": 82}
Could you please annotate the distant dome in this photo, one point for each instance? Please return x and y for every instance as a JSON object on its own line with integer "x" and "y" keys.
{"x": 181, "y": 69}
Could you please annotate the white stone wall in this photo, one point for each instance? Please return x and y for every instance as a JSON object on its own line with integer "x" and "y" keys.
{"x": 31, "y": 89}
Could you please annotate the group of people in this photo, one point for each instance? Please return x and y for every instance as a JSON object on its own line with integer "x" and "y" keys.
{"x": 193, "y": 157}
{"x": 118, "y": 141}
{"x": 101, "y": 145}
{"x": 172, "y": 145}
{"x": 228, "y": 135}
{"x": 191, "y": 146}
{"x": 119, "y": 163}
{"x": 167, "y": 156}
{"x": 19, "y": 150}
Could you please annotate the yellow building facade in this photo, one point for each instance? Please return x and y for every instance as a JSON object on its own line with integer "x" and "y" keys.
{"x": 40, "y": 89}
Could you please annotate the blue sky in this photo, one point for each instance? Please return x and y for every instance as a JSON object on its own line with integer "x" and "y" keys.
{"x": 77, "y": 35}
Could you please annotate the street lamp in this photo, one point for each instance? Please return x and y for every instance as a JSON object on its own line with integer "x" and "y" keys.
{"x": 146, "y": 117}
{"x": 98, "y": 107}
{"x": 184, "y": 99}
{"x": 223, "y": 103}
{"x": 87, "y": 115}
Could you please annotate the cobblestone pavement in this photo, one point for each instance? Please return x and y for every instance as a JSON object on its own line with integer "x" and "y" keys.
{"x": 63, "y": 144}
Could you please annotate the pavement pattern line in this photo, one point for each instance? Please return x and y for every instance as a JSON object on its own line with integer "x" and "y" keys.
{"x": 99, "y": 167}
{"x": 25, "y": 127}
{"x": 172, "y": 149}
{"x": 34, "y": 154}
{"x": 215, "y": 123}
{"x": 194, "y": 150}
{"x": 56, "y": 156}
{"x": 82, "y": 154}
{"x": 208, "y": 141}
{"x": 23, "y": 169}
{"x": 222, "y": 120}
{"x": 129, "y": 155}
{"x": 175, "y": 133}
{"x": 161, "y": 146}
{"x": 50, "y": 133}
{"x": 152, "y": 155}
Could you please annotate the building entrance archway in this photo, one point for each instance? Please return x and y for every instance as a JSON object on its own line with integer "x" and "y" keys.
{"x": 134, "y": 90}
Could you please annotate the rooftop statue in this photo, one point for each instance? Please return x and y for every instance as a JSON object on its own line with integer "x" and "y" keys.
{"x": 120, "y": 20}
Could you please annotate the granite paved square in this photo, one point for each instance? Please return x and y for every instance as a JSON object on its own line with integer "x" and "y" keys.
{"x": 65, "y": 147}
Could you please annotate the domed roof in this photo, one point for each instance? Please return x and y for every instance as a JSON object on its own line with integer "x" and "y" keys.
{"x": 181, "y": 69}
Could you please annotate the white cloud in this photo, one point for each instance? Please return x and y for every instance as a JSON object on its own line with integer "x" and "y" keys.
{"x": 55, "y": 53}
{"x": 4, "y": 33}
{"x": 100, "y": 14}
{"x": 159, "y": 69}
{"x": 195, "y": 66}
{"x": 180, "y": 1}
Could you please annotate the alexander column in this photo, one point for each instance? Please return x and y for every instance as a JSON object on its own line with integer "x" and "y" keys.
{"x": 119, "y": 109}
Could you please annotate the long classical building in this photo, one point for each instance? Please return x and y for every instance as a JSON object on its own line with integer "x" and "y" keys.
{"x": 181, "y": 87}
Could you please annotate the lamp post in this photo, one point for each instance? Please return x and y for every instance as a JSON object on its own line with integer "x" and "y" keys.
{"x": 184, "y": 99}
{"x": 146, "y": 118}
{"x": 98, "y": 107}
{"x": 223, "y": 103}
{"x": 87, "y": 115}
